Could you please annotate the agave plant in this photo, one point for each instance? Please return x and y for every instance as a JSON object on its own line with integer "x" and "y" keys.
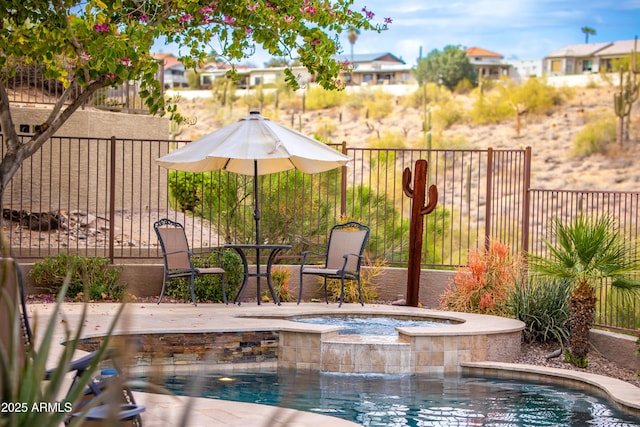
{"x": 32, "y": 401}
{"x": 587, "y": 252}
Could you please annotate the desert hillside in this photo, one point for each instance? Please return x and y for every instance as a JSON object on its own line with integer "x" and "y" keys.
{"x": 550, "y": 135}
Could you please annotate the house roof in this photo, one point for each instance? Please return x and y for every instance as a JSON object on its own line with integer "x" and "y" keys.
{"x": 619, "y": 48}
{"x": 578, "y": 50}
{"x": 168, "y": 60}
{"x": 370, "y": 57}
{"x": 478, "y": 51}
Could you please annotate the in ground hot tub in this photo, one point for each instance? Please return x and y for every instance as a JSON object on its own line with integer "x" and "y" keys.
{"x": 370, "y": 325}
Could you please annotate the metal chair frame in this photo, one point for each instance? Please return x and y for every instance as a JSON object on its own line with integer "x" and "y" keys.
{"x": 177, "y": 257}
{"x": 343, "y": 258}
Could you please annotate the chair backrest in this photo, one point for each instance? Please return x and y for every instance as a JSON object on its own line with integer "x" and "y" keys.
{"x": 174, "y": 244}
{"x": 350, "y": 237}
{"x": 13, "y": 317}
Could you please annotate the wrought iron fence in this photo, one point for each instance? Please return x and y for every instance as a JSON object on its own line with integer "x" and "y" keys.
{"x": 614, "y": 310}
{"x": 28, "y": 86}
{"x": 100, "y": 197}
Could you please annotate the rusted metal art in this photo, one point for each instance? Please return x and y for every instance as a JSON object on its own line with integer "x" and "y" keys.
{"x": 423, "y": 204}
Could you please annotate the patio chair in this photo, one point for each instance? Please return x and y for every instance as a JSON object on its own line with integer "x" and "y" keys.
{"x": 16, "y": 347}
{"x": 343, "y": 258}
{"x": 177, "y": 257}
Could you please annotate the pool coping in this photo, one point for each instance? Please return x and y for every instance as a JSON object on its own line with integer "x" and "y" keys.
{"x": 623, "y": 395}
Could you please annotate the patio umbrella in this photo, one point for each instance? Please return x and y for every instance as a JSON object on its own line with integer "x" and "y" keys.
{"x": 254, "y": 146}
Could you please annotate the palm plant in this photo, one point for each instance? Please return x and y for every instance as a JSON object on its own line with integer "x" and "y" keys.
{"x": 587, "y": 252}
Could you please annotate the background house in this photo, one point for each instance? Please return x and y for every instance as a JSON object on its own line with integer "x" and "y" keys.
{"x": 586, "y": 57}
{"x": 376, "y": 69}
{"x": 174, "y": 75}
{"x": 488, "y": 65}
{"x": 522, "y": 69}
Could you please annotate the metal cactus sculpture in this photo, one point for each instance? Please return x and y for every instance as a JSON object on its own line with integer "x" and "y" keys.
{"x": 421, "y": 206}
{"x": 627, "y": 94}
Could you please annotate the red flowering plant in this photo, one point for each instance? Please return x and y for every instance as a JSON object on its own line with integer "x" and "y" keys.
{"x": 483, "y": 286}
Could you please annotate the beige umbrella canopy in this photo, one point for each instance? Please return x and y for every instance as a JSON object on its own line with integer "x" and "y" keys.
{"x": 254, "y": 146}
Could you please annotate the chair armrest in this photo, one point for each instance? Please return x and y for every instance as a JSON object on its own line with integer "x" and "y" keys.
{"x": 81, "y": 364}
{"x": 346, "y": 259}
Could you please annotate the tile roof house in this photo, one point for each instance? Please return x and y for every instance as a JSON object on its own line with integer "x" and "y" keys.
{"x": 174, "y": 72}
{"x": 488, "y": 64}
{"x": 377, "y": 68}
{"x": 586, "y": 57}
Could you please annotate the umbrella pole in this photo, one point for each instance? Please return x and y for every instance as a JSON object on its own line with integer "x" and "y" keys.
{"x": 256, "y": 210}
{"x": 256, "y": 216}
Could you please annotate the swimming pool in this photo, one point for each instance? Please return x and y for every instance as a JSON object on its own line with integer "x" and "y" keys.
{"x": 409, "y": 400}
{"x": 368, "y": 325}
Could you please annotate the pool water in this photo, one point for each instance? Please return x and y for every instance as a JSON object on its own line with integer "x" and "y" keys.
{"x": 355, "y": 325}
{"x": 409, "y": 400}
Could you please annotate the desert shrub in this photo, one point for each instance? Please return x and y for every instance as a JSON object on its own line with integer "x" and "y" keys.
{"x": 485, "y": 284}
{"x": 89, "y": 276}
{"x": 357, "y": 98}
{"x": 447, "y": 114}
{"x": 490, "y": 108}
{"x": 379, "y": 106}
{"x": 369, "y": 271}
{"x": 452, "y": 142}
{"x": 595, "y": 137}
{"x": 543, "y": 306}
{"x": 280, "y": 277}
{"x": 537, "y": 95}
{"x": 318, "y": 98}
{"x": 208, "y": 287}
{"x": 389, "y": 138}
{"x": 463, "y": 87}
{"x": 324, "y": 127}
{"x": 425, "y": 95}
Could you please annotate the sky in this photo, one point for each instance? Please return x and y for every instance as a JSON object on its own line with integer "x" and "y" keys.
{"x": 516, "y": 29}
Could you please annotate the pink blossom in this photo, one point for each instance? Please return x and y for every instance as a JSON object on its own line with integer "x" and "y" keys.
{"x": 205, "y": 10}
{"x": 252, "y": 8}
{"x": 84, "y": 56}
{"x": 388, "y": 20}
{"x": 144, "y": 18}
{"x": 248, "y": 30}
{"x": 308, "y": 9}
{"x": 126, "y": 61}
{"x": 111, "y": 76}
{"x": 369, "y": 14}
{"x": 229, "y": 19}
{"x": 186, "y": 17}
{"x": 288, "y": 18}
{"x": 315, "y": 42}
{"x": 101, "y": 28}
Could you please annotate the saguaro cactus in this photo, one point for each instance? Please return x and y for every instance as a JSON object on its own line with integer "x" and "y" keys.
{"x": 627, "y": 94}
{"x": 421, "y": 206}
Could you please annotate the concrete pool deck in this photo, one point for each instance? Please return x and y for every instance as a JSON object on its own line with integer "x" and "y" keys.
{"x": 149, "y": 318}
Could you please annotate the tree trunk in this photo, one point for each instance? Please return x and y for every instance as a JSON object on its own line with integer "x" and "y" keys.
{"x": 582, "y": 305}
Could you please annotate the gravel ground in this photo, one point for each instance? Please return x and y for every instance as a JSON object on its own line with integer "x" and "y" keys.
{"x": 536, "y": 354}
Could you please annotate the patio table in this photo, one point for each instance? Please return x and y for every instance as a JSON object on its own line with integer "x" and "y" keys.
{"x": 273, "y": 251}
